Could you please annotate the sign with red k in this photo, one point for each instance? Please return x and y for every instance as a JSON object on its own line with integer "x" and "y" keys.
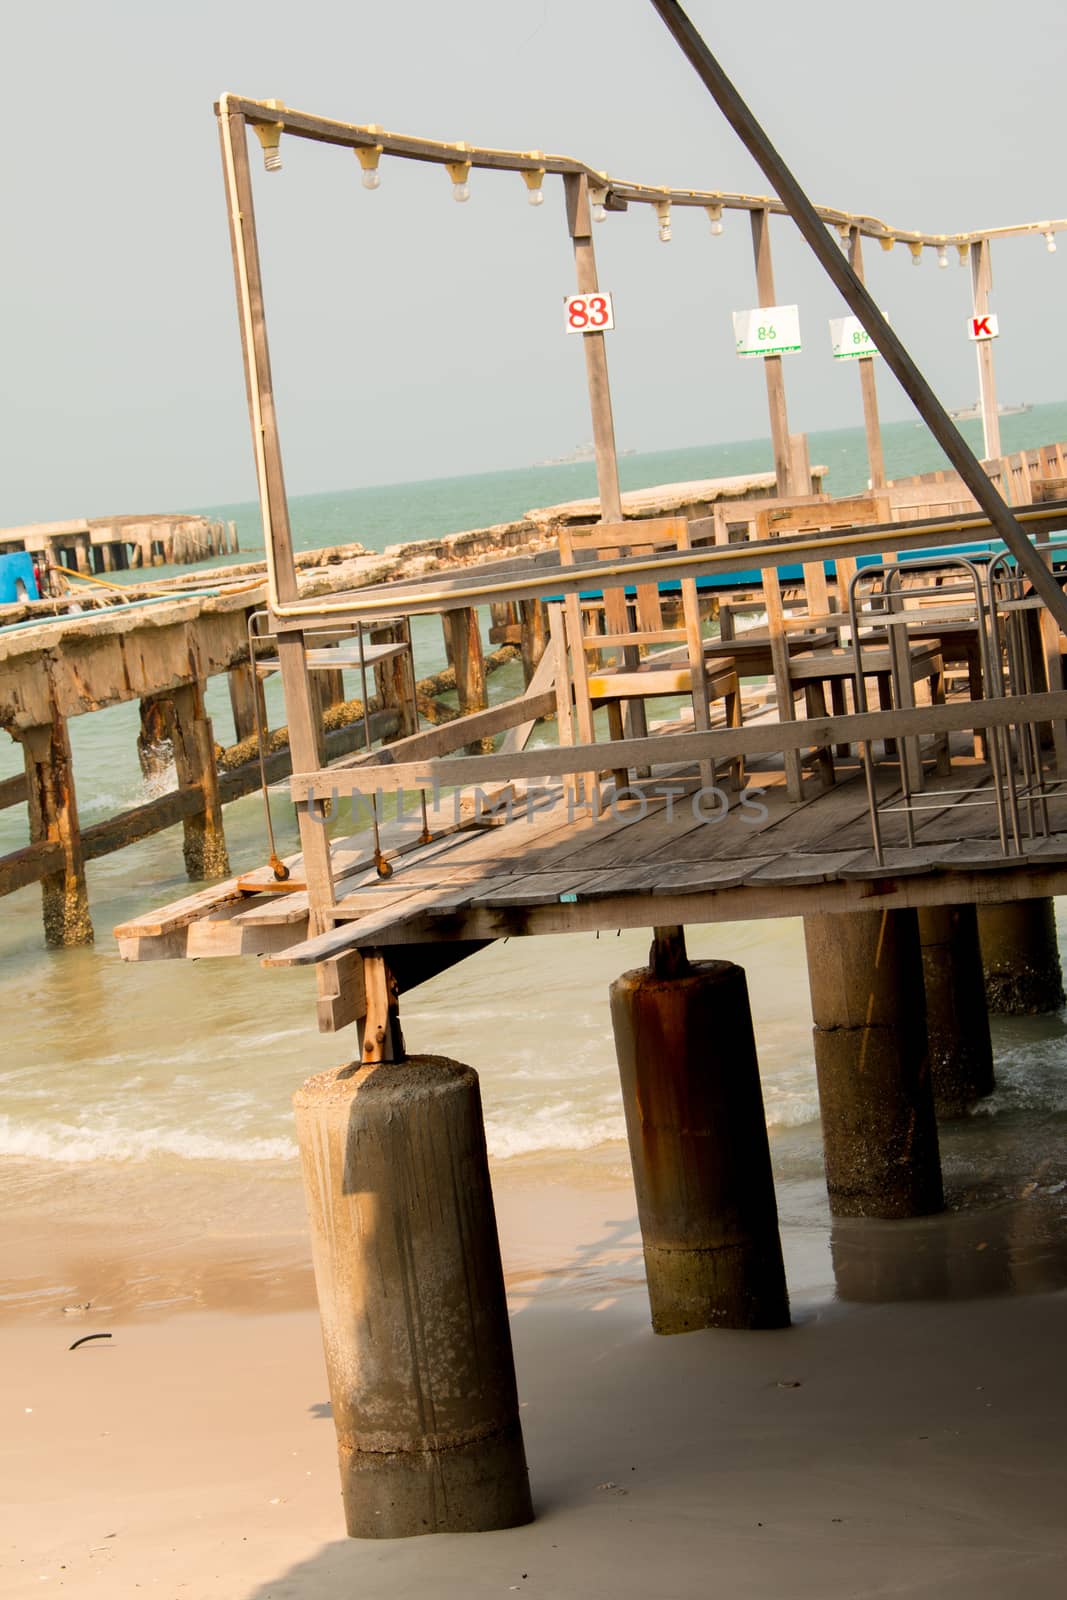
{"x": 986, "y": 327}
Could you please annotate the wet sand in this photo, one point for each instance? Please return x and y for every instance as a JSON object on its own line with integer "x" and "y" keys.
{"x": 909, "y": 1448}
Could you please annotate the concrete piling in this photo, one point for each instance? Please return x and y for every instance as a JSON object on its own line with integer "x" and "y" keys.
{"x": 1021, "y": 957}
{"x": 957, "y": 1023}
{"x": 871, "y": 1056}
{"x": 411, "y": 1296}
{"x": 698, "y": 1143}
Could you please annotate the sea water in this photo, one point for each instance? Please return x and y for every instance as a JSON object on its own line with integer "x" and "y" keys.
{"x": 115, "y": 1076}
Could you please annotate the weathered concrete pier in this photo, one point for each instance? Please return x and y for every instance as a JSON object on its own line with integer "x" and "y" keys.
{"x": 683, "y": 790}
{"x": 115, "y": 544}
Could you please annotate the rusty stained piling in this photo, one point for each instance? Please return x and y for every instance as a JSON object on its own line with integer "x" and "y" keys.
{"x": 246, "y": 688}
{"x": 175, "y": 726}
{"x": 204, "y": 844}
{"x": 871, "y": 1056}
{"x": 698, "y": 1142}
{"x": 53, "y": 818}
{"x": 464, "y": 643}
{"x": 1021, "y": 957}
{"x": 957, "y": 1023}
{"x": 411, "y": 1297}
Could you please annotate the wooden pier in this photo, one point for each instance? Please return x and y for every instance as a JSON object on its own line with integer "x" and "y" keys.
{"x": 876, "y": 742}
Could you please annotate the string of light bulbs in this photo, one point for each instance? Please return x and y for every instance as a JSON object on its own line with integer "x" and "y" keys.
{"x": 272, "y": 119}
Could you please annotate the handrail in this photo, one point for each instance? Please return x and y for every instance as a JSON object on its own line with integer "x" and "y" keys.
{"x": 720, "y": 559}
{"x": 718, "y": 743}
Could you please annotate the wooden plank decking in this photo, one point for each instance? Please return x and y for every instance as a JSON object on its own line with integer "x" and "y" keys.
{"x": 649, "y": 859}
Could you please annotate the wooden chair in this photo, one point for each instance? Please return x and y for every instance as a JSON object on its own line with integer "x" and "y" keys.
{"x": 801, "y": 674}
{"x": 616, "y": 650}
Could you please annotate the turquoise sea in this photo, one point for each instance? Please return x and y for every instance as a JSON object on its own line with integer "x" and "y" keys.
{"x": 116, "y": 1079}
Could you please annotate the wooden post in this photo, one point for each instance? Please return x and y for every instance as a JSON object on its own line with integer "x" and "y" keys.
{"x": 871, "y": 1056}
{"x": 579, "y": 221}
{"x": 868, "y": 381}
{"x": 53, "y": 817}
{"x": 981, "y": 284}
{"x": 246, "y": 686}
{"x": 395, "y": 677}
{"x": 698, "y": 1143}
{"x": 1021, "y": 957}
{"x": 533, "y": 638}
{"x": 411, "y": 1297}
{"x": 957, "y": 1022}
{"x": 305, "y": 731}
{"x": 154, "y": 740}
{"x": 772, "y": 365}
{"x": 800, "y": 463}
{"x": 469, "y": 662}
{"x": 194, "y": 762}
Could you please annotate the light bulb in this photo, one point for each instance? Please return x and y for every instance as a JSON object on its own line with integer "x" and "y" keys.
{"x": 599, "y": 213}
{"x": 942, "y": 257}
{"x": 533, "y": 179}
{"x": 965, "y": 252}
{"x": 269, "y": 135}
{"x": 368, "y": 156}
{"x": 663, "y": 212}
{"x": 1050, "y": 241}
{"x": 714, "y": 219}
{"x": 916, "y": 254}
{"x": 459, "y": 172}
{"x": 716, "y": 227}
{"x": 665, "y": 232}
{"x": 597, "y": 198}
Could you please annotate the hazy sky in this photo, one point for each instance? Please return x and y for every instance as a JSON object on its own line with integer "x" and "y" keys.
{"x": 414, "y": 338}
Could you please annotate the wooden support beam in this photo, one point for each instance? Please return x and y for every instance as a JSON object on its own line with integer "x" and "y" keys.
{"x": 246, "y": 686}
{"x": 579, "y": 221}
{"x": 13, "y": 791}
{"x": 868, "y": 381}
{"x": 772, "y": 365}
{"x": 469, "y": 661}
{"x": 305, "y": 735}
{"x": 29, "y": 865}
{"x": 140, "y": 822}
{"x": 194, "y": 761}
{"x": 53, "y": 812}
{"x": 342, "y": 992}
{"x": 395, "y": 680}
{"x": 533, "y": 641}
{"x": 155, "y": 750}
{"x": 981, "y": 285}
{"x": 382, "y": 1038}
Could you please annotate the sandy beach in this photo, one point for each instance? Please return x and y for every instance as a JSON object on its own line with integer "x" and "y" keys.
{"x": 872, "y": 1449}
